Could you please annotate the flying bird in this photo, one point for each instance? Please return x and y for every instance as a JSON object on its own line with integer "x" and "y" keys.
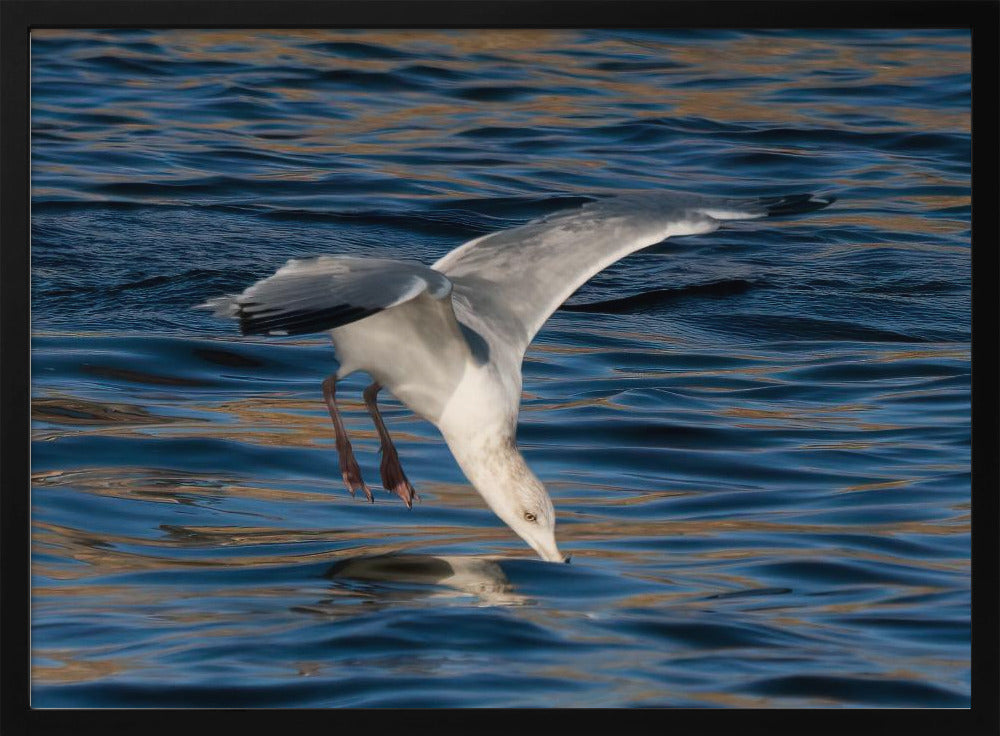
{"x": 448, "y": 340}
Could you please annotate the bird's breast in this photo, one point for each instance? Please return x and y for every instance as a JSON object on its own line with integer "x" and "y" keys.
{"x": 483, "y": 404}
{"x": 415, "y": 355}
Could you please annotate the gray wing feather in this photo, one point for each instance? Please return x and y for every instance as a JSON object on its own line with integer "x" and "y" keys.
{"x": 511, "y": 281}
{"x": 317, "y": 294}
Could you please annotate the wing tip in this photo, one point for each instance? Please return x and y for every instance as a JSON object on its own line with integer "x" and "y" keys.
{"x": 795, "y": 204}
{"x": 285, "y": 323}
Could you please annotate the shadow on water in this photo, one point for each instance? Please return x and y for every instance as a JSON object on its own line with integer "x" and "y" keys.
{"x": 431, "y": 575}
{"x": 489, "y": 580}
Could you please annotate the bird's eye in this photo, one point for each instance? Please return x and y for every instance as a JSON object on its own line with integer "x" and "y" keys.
{"x": 528, "y": 516}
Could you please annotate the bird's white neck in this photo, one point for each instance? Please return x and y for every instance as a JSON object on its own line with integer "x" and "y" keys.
{"x": 479, "y": 424}
{"x": 496, "y": 468}
{"x": 491, "y": 461}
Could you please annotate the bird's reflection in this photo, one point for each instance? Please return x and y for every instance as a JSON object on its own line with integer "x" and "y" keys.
{"x": 443, "y": 576}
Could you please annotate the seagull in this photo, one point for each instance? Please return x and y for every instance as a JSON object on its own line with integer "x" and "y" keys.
{"x": 448, "y": 340}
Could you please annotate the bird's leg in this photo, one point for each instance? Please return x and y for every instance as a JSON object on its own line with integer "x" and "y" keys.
{"x": 393, "y": 477}
{"x": 348, "y": 465}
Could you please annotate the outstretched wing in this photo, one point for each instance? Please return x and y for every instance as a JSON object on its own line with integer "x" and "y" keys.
{"x": 511, "y": 281}
{"x": 316, "y": 294}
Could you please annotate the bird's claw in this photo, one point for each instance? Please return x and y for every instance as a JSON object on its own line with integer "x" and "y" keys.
{"x": 395, "y": 480}
{"x": 353, "y": 484}
{"x": 352, "y": 474}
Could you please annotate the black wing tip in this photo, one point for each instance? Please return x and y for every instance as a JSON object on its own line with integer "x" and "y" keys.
{"x": 796, "y": 204}
{"x": 301, "y": 322}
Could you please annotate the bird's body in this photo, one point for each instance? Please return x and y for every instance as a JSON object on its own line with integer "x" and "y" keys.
{"x": 448, "y": 340}
{"x": 424, "y": 369}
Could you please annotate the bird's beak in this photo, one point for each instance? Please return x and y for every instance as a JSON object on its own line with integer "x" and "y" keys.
{"x": 549, "y": 552}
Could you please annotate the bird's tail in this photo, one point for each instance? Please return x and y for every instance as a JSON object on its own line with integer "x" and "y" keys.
{"x": 221, "y": 306}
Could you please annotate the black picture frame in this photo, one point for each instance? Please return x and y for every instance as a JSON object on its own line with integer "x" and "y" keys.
{"x": 19, "y": 17}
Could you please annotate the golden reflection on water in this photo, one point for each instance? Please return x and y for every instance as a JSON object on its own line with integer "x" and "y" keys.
{"x": 275, "y": 420}
{"x": 72, "y": 668}
{"x": 291, "y": 421}
{"x": 427, "y": 120}
{"x": 106, "y": 553}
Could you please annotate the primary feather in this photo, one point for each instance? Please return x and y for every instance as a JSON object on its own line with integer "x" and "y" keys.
{"x": 315, "y": 294}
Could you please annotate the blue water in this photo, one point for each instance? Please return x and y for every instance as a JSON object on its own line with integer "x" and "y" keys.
{"x": 757, "y": 440}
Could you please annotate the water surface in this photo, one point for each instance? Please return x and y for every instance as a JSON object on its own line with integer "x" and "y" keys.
{"x": 757, "y": 440}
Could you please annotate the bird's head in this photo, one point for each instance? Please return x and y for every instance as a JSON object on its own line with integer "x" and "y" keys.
{"x": 527, "y": 509}
{"x": 512, "y": 491}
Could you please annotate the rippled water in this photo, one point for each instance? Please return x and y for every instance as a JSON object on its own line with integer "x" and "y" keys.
{"x": 757, "y": 440}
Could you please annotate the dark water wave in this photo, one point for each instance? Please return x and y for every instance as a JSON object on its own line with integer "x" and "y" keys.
{"x": 659, "y": 297}
{"x": 757, "y": 440}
